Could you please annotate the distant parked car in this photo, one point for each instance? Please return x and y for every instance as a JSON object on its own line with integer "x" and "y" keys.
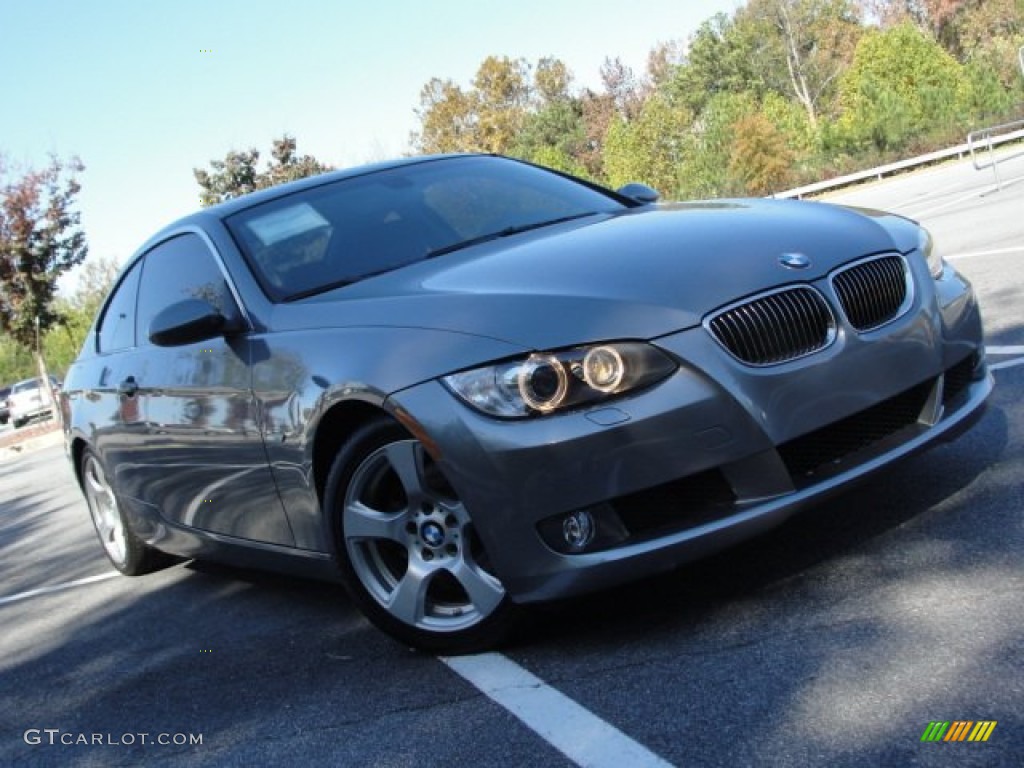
{"x": 27, "y": 400}
{"x": 5, "y": 411}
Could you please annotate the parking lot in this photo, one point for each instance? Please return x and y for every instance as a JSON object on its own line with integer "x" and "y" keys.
{"x": 834, "y": 640}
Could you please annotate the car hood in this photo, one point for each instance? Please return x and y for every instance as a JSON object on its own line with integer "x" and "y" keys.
{"x": 637, "y": 275}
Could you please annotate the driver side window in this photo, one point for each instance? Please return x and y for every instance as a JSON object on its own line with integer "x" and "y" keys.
{"x": 178, "y": 269}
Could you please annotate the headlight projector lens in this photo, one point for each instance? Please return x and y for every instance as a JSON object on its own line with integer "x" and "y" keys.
{"x": 603, "y": 369}
{"x": 543, "y": 382}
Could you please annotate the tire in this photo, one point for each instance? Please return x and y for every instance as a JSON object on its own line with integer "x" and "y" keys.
{"x": 18, "y": 423}
{"x": 126, "y": 552}
{"x": 406, "y": 547}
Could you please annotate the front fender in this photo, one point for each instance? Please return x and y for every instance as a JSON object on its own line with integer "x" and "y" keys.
{"x": 299, "y": 377}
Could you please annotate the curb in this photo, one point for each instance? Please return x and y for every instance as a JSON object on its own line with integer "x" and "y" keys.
{"x": 32, "y": 444}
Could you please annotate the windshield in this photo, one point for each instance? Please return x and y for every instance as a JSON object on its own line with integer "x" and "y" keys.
{"x": 342, "y": 232}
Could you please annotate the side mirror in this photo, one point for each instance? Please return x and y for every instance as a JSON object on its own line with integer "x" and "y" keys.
{"x": 187, "y": 322}
{"x": 639, "y": 192}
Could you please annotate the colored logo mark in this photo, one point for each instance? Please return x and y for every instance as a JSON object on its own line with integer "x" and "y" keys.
{"x": 959, "y": 730}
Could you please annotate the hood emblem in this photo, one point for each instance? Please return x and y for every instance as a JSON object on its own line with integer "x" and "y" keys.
{"x": 794, "y": 260}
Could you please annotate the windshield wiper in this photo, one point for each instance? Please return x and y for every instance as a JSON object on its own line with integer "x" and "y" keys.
{"x": 318, "y": 289}
{"x": 305, "y": 294}
{"x": 504, "y": 233}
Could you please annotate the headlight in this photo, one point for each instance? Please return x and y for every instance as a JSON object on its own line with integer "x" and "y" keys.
{"x": 550, "y": 381}
{"x": 926, "y": 244}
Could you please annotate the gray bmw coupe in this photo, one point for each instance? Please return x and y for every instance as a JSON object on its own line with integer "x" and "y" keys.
{"x": 463, "y": 384}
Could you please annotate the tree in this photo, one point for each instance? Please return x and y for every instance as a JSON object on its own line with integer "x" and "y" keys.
{"x": 485, "y": 118}
{"x": 502, "y": 93}
{"x": 551, "y": 82}
{"x": 40, "y": 240}
{"x": 706, "y": 170}
{"x": 94, "y": 283}
{"x": 64, "y": 341}
{"x": 553, "y": 131}
{"x": 902, "y": 84}
{"x": 237, "y": 173}
{"x": 932, "y": 16}
{"x": 447, "y": 119}
{"x": 650, "y": 149}
{"x": 720, "y": 59}
{"x": 761, "y": 156}
{"x": 805, "y": 46}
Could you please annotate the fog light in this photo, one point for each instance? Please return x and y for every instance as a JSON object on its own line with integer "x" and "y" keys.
{"x": 578, "y": 529}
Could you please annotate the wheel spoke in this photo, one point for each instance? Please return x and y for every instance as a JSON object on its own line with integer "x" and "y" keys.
{"x": 94, "y": 481}
{"x": 414, "y": 561}
{"x": 406, "y": 458}
{"x": 408, "y": 601}
{"x": 361, "y": 522}
{"x": 485, "y": 592}
{"x": 105, "y": 514}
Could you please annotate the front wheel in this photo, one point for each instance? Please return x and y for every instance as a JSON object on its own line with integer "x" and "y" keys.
{"x": 407, "y": 549}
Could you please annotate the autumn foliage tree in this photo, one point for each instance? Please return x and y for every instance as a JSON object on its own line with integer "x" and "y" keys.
{"x": 237, "y": 174}
{"x": 486, "y": 117}
{"x": 761, "y": 157}
{"x": 779, "y": 92}
{"x": 40, "y": 239}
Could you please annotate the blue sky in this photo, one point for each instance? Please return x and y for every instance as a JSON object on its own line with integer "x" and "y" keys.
{"x": 131, "y": 89}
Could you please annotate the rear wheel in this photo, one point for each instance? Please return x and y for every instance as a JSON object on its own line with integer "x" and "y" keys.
{"x": 407, "y": 549}
{"x": 124, "y": 549}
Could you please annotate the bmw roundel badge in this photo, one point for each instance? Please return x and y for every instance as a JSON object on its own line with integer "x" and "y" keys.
{"x": 794, "y": 260}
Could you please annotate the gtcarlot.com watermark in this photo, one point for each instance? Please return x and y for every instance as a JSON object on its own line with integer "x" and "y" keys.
{"x": 57, "y": 737}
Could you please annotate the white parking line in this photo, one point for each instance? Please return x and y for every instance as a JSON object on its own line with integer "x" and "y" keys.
{"x": 576, "y": 732}
{"x": 993, "y": 252}
{"x": 1011, "y": 350}
{"x": 58, "y": 587}
{"x": 1007, "y": 364}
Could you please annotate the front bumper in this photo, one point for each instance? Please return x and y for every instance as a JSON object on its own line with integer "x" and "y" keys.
{"x": 711, "y": 456}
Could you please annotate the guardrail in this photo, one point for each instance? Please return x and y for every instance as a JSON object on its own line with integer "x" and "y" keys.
{"x": 986, "y": 135}
{"x": 883, "y": 170}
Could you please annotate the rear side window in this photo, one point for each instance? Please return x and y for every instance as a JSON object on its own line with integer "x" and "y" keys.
{"x": 117, "y": 325}
{"x": 178, "y": 269}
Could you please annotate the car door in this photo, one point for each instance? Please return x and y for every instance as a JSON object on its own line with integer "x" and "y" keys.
{"x": 94, "y": 379}
{"x": 200, "y": 457}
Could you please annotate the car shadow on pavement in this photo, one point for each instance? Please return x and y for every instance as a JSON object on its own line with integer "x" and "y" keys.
{"x": 882, "y": 607}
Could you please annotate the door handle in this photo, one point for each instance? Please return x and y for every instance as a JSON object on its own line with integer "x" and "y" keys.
{"x": 128, "y": 387}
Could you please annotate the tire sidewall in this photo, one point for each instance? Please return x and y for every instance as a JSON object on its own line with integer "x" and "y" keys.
{"x": 139, "y": 558}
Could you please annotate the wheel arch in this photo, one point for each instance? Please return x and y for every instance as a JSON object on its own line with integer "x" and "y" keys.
{"x": 77, "y": 450}
{"x": 333, "y": 430}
